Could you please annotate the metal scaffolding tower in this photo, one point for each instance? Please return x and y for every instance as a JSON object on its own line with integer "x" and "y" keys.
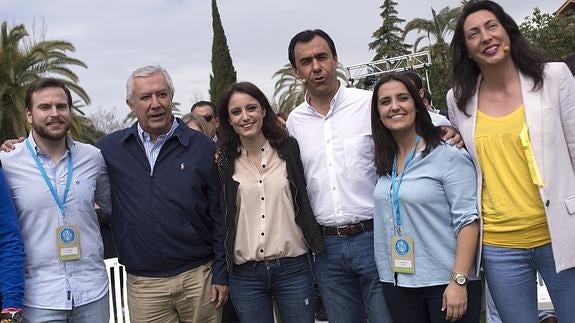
{"x": 370, "y": 70}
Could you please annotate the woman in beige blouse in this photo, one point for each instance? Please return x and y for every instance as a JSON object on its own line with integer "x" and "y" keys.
{"x": 270, "y": 227}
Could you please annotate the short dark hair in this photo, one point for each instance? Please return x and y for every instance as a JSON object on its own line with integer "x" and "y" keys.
{"x": 41, "y": 84}
{"x": 384, "y": 143}
{"x": 427, "y": 96}
{"x": 204, "y": 103}
{"x": 228, "y": 140}
{"x": 415, "y": 79}
{"x": 305, "y": 37}
{"x": 463, "y": 71}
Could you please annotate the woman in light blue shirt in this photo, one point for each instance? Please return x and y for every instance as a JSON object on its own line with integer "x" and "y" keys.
{"x": 426, "y": 223}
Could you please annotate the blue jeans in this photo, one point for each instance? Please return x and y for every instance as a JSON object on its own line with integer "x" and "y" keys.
{"x": 256, "y": 285}
{"x": 348, "y": 280}
{"x": 511, "y": 276}
{"x": 94, "y": 312}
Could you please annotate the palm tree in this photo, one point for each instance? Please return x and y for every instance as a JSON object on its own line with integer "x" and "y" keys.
{"x": 439, "y": 27}
{"x": 23, "y": 61}
{"x": 82, "y": 128}
{"x": 289, "y": 91}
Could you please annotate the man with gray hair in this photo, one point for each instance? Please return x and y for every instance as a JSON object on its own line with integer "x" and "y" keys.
{"x": 165, "y": 210}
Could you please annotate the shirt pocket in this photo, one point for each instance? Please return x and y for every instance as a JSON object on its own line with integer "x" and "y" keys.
{"x": 358, "y": 152}
{"x": 84, "y": 189}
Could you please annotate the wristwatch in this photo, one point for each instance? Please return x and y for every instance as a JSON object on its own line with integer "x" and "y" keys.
{"x": 11, "y": 317}
{"x": 459, "y": 279}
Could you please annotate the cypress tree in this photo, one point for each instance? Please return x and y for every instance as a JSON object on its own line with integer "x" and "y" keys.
{"x": 223, "y": 71}
{"x": 388, "y": 41}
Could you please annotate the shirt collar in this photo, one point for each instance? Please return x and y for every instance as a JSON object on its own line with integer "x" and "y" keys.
{"x": 145, "y": 136}
{"x": 266, "y": 147}
{"x": 69, "y": 144}
{"x": 334, "y": 103}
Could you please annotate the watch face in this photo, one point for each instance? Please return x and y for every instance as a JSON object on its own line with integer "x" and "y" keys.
{"x": 460, "y": 280}
{"x": 15, "y": 317}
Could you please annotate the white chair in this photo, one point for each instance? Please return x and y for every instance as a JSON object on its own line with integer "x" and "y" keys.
{"x": 117, "y": 283}
{"x": 543, "y": 298}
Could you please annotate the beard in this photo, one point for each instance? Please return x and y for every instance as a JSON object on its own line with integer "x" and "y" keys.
{"x": 45, "y": 133}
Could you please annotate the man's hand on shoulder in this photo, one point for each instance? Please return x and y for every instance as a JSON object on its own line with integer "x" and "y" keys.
{"x": 9, "y": 144}
{"x": 451, "y": 136}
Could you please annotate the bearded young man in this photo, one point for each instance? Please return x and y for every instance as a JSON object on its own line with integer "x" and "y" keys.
{"x": 54, "y": 183}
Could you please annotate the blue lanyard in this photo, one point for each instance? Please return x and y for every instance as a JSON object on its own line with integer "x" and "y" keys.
{"x": 57, "y": 199}
{"x": 396, "y": 183}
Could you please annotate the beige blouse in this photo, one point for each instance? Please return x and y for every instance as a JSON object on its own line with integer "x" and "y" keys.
{"x": 266, "y": 227}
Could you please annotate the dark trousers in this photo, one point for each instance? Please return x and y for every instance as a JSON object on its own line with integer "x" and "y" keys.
{"x": 423, "y": 305}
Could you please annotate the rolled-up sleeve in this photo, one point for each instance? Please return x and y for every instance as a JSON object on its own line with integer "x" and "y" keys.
{"x": 460, "y": 184}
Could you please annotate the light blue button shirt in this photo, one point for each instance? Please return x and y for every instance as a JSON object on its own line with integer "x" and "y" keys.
{"x": 153, "y": 148}
{"x": 437, "y": 198}
{"x": 51, "y": 283}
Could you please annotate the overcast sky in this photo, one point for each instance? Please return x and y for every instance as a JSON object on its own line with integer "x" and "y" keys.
{"x": 115, "y": 37}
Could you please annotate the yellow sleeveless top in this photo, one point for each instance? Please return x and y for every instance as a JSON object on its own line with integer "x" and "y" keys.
{"x": 513, "y": 213}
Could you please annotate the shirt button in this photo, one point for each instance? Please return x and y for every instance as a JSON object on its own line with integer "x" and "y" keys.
{"x": 262, "y": 250}
{"x": 263, "y": 166}
{"x": 547, "y": 203}
{"x": 263, "y": 216}
{"x": 262, "y": 233}
{"x": 333, "y": 188}
{"x": 261, "y": 181}
{"x": 262, "y": 149}
{"x": 262, "y": 198}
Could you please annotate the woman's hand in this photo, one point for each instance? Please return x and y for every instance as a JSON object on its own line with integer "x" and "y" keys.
{"x": 454, "y": 301}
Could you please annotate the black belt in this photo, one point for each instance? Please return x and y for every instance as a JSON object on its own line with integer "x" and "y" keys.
{"x": 350, "y": 229}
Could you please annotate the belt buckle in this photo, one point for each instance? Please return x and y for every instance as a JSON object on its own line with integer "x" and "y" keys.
{"x": 341, "y": 234}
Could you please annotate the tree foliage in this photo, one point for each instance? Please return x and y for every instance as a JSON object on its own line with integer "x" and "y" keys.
{"x": 553, "y": 35}
{"x": 23, "y": 61}
{"x": 223, "y": 71}
{"x": 107, "y": 121}
{"x": 388, "y": 40}
{"x": 436, "y": 29}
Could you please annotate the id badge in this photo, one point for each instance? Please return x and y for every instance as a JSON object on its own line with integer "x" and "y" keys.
{"x": 68, "y": 242}
{"x": 402, "y": 257}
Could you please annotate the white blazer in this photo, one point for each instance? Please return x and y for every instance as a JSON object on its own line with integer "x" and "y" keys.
{"x": 550, "y": 117}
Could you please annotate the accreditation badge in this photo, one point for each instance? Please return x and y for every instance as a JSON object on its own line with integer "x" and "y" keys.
{"x": 402, "y": 257}
{"x": 68, "y": 242}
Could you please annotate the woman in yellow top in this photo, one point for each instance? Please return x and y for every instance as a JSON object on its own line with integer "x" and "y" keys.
{"x": 516, "y": 114}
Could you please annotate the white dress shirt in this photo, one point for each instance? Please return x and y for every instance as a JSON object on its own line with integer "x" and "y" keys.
{"x": 338, "y": 156}
{"x": 51, "y": 283}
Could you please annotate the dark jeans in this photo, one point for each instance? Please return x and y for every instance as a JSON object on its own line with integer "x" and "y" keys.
{"x": 423, "y": 305}
{"x": 348, "y": 280}
{"x": 256, "y": 285}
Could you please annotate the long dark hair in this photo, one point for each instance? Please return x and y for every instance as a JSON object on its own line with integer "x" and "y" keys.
{"x": 463, "y": 71}
{"x": 228, "y": 140}
{"x": 385, "y": 145}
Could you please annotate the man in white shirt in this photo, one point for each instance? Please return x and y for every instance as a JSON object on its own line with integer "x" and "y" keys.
{"x": 333, "y": 129}
{"x": 54, "y": 183}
